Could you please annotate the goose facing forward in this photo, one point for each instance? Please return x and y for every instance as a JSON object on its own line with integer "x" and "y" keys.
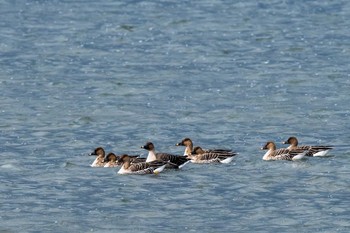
{"x": 175, "y": 161}
{"x": 281, "y": 154}
{"x": 154, "y": 167}
{"x": 200, "y": 156}
{"x": 187, "y": 142}
{"x": 312, "y": 150}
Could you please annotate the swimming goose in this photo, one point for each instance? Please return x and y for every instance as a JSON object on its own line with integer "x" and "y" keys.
{"x": 99, "y": 161}
{"x": 312, "y": 150}
{"x": 175, "y": 161}
{"x": 111, "y": 160}
{"x": 200, "y": 156}
{"x": 282, "y": 154}
{"x": 187, "y": 142}
{"x": 154, "y": 167}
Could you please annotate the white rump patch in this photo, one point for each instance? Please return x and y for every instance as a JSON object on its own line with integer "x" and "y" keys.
{"x": 181, "y": 166}
{"x": 300, "y": 156}
{"x": 321, "y": 153}
{"x": 227, "y": 160}
{"x": 159, "y": 169}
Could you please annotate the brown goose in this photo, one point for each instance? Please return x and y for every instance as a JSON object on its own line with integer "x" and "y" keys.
{"x": 312, "y": 150}
{"x": 187, "y": 142}
{"x": 154, "y": 167}
{"x": 282, "y": 154}
{"x": 99, "y": 152}
{"x": 111, "y": 160}
{"x": 200, "y": 156}
{"x": 175, "y": 161}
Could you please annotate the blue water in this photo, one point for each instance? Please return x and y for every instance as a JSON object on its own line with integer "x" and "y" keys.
{"x": 75, "y": 75}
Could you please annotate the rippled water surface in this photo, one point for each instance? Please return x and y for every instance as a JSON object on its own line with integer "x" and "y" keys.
{"x": 233, "y": 74}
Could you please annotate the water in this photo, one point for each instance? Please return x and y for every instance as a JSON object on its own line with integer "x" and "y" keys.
{"x": 80, "y": 74}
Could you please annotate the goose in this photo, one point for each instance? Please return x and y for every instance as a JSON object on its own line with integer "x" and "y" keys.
{"x": 175, "y": 161}
{"x": 187, "y": 142}
{"x": 99, "y": 152}
{"x": 154, "y": 167}
{"x": 111, "y": 160}
{"x": 281, "y": 154}
{"x": 200, "y": 156}
{"x": 312, "y": 150}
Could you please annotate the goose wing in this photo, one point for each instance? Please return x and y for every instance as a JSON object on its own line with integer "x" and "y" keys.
{"x": 225, "y": 155}
{"x": 137, "y": 160}
{"x": 208, "y": 157}
{"x": 174, "y": 159}
{"x": 282, "y": 154}
{"x": 146, "y": 168}
{"x": 312, "y": 150}
{"x": 286, "y": 154}
{"x": 219, "y": 150}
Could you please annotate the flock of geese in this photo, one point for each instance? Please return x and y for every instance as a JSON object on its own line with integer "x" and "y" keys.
{"x": 157, "y": 162}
